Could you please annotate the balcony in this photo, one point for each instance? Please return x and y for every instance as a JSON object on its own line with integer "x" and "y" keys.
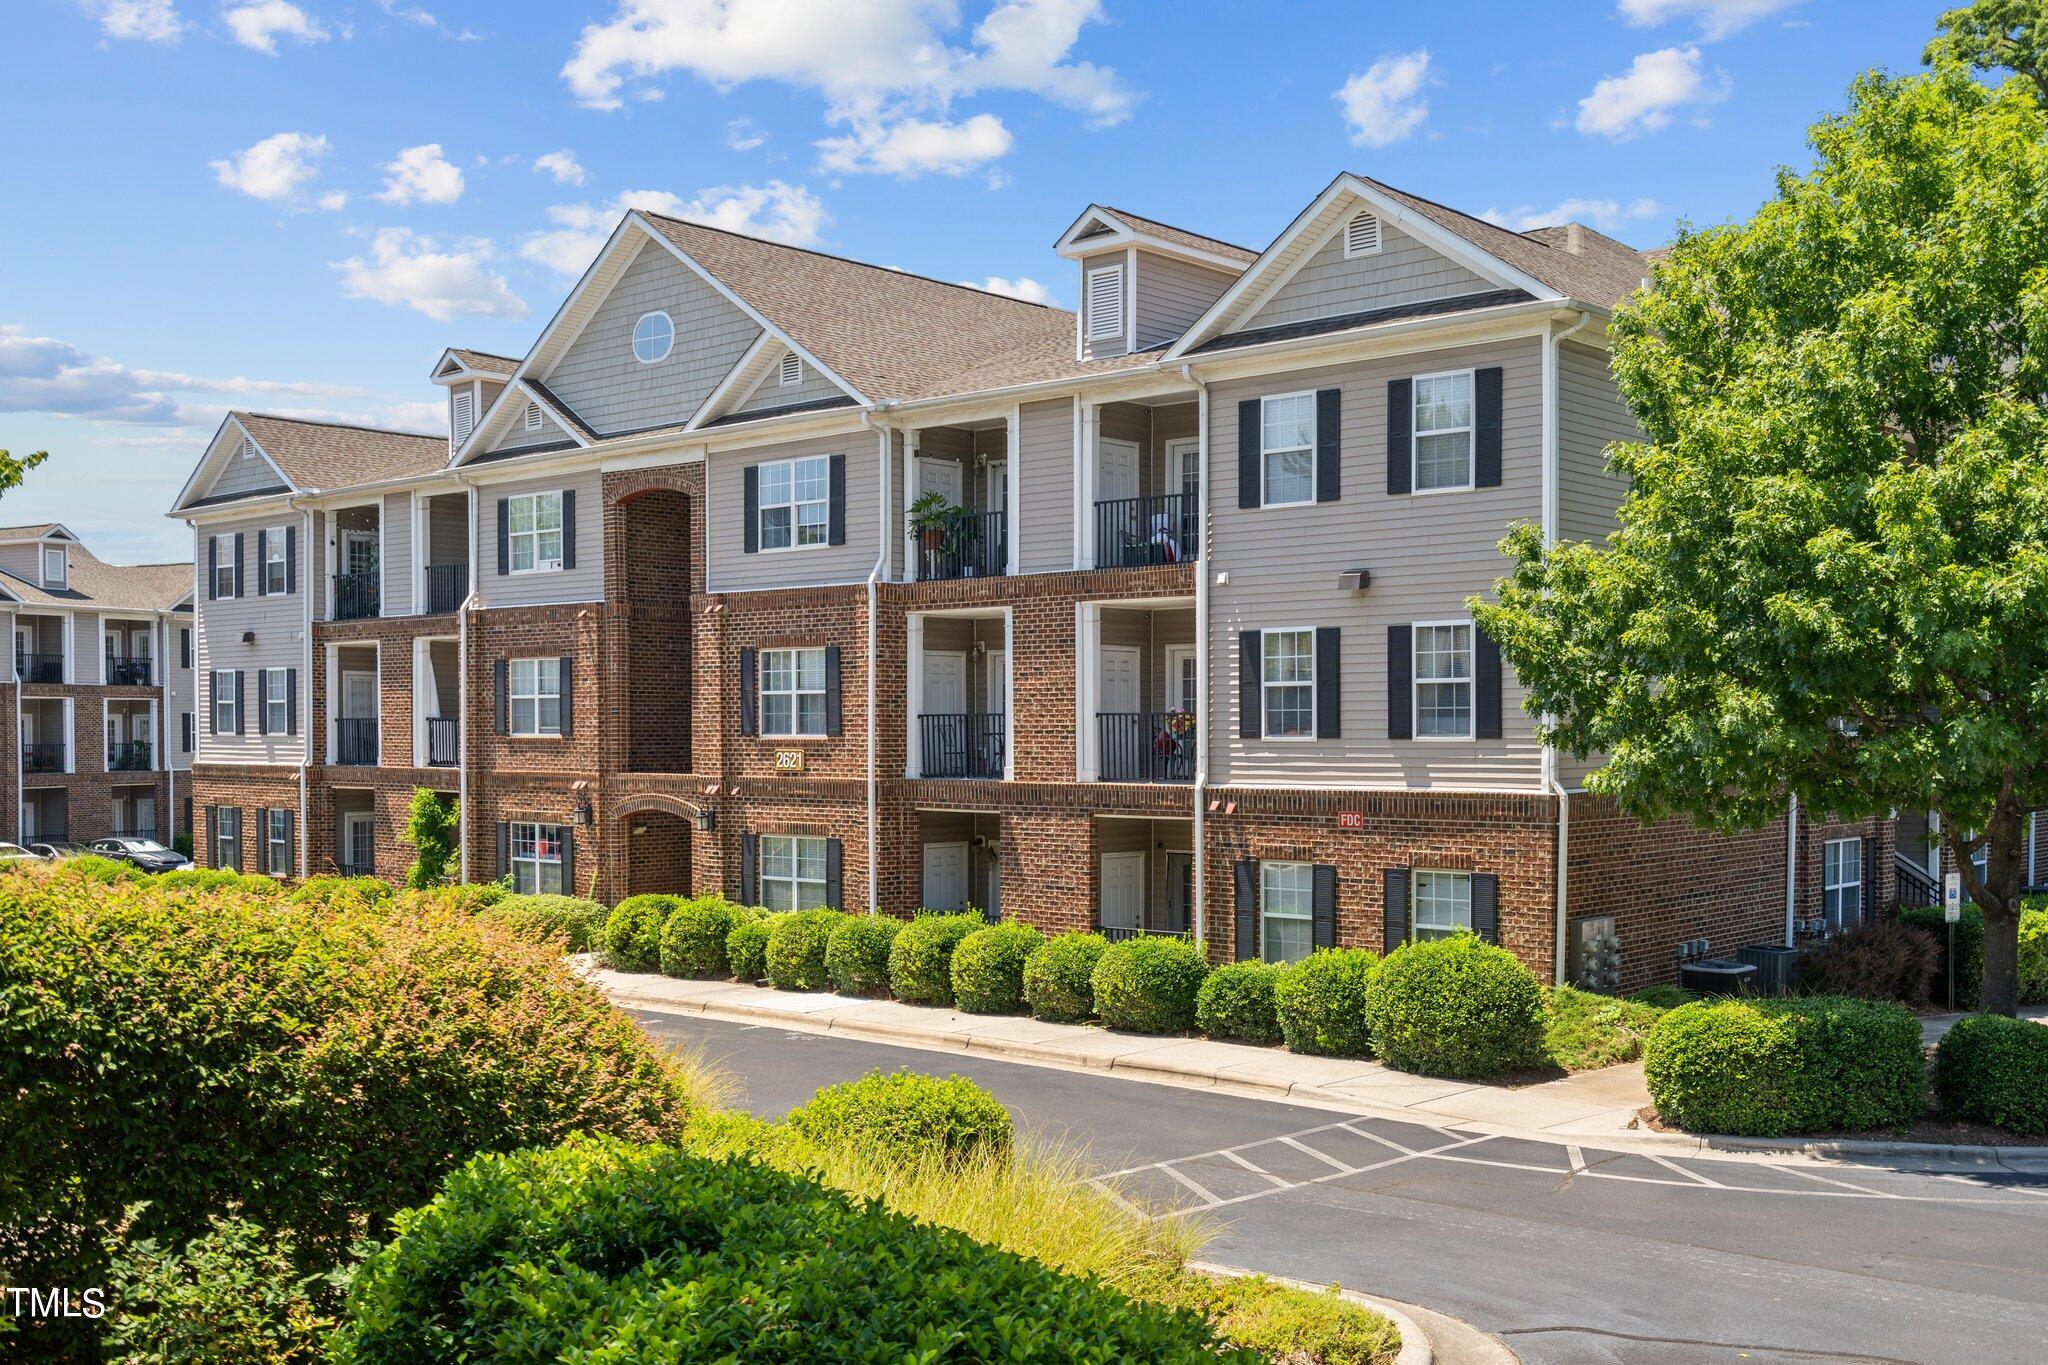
{"x": 356, "y": 596}
{"x": 1164, "y": 528}
{"x": 444, "y": 742}
{"x": 962, "y": 745}
{"x": 447, "y": 586}
{"x": 355, "y": 741}
{"x": 1146, "y": 746}
{"x": 42, "y": 758}
{"x": 127, "y": 671}
{"x": 129, "y": 756}
{"x": 968, "y": 545}
{"x": 39, "y": 668}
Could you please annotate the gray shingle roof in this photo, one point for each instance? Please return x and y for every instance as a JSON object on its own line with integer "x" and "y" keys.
{"x": 484, "y": 360}
{"x": 1603, "y": 272}
{"x": 335, "y": 455}
{"x": 35, "y": 532}
{"x": 96, "y": 583}
{"x": 1168, "y": 232}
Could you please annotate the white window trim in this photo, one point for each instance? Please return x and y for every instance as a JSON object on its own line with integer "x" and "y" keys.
{"x": 537, "y": 862}
{"x": 1379, "y": 234}
{"x": 1313, "y": 436}
{"x": 761, "y": 509}
{"x": 63, "y": 576}
{"x": 227, "y": 698}
{"x": 274, "y": 552}
{"x": 1265, "y": 939}
{"x": 1415, "y": 875}
{"x": 1855, "y": 866}
{"x": 1089, "y": 330}
{"x": 1308, "y": 738}
{"x": 1416, "y": 681}
{"x": 512, "y": 537}
{"x": 223, "y": 563}
{"x": 221, "y": 817}
{"x": 632, "y": 340}
{"x": 1471, "y": 430}
{"x": 273, "y": 866}
{"x": 513, "y": 696}
{"x": 761, "y": 877}
{"x": 795, "y": 694}
{"x": 263, "y": 702}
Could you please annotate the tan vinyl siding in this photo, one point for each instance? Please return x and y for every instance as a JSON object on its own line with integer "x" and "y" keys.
{"x": 732, "y": 569}
{"x": 180, "y": 693}
{"x": 279, "y": 626}
{"x": 1427, "y": 554}
{"x": 602, "y": 382}
{"x": 584, "y": 583}
{"x": 448, "y": 528}
{"x": 243, "y": 475}
{"x": 395, "y": 560}
{"x": 90, "y": 667}
{"x": 1171, "y": 294}
{"x": 1111, "y": 345}
{"x": 769, "y": 393}
{"x": 1327, "y": 285}
{"x": 1045, "y": 480}
{"x": 1590, "y": 415}
{"x": 24, "y": 560}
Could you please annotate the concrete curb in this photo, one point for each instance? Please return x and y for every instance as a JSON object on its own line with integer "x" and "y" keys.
{"x": 1415, "y": 1343}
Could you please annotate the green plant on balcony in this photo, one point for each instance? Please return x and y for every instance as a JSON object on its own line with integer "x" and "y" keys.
{"x": 936, "y": 521}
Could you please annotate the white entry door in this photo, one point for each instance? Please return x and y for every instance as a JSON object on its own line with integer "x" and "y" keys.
{"x": 1116, "y": 472}
{"x": 940, "y": 476}
{"x": 1119, "y": 680}
{"x": 1123, "y": 890}
{"x": 358, "y": 841}
{"x": 1184, "y": 468}
{"x": 945, "y": 876}
{"x": 945, "y": 683}
{"x": 1180, "y": 677}
{"x": 998, "y": 486}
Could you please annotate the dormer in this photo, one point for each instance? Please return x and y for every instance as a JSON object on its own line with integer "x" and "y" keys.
{"x": 474, "y": 379}
{"x": 1143, "y": 283}
{"x": 56, "y": 565}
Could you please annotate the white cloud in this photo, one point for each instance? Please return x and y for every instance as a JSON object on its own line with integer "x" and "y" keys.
{"x": 421, "y": 173}
{"x": 562, "y": 165}
{"x": 258, "y": 25}
{"x": 1023, "y": 287}
{"x": 148, "y": 21}
{"x": 334, "y": 201}
{"x": 743, "y": 135}
{"x": 1641, "y": 100}
{"x": 45, "y": 374}
{"x": 1608, "y": 215}
{"x": 1716, "y": 18}
{"x": 406, "y": 270}
{"x": 1384, "y": 102}
{"x": 275, "y": 168}
{"x": 775, "y": 210}
{"x": 912, "y": 147}
{"x": 411, "y": 16}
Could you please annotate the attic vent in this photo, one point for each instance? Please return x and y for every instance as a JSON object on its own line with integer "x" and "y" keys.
{"x": 533, "y": 417}
{"x": 1362, "y": 236}
{"x": 248, "y": 450}
{"x": 462, "y": 415}
{"x": 1105, "y": 303}
{"x": 791, "y": 371}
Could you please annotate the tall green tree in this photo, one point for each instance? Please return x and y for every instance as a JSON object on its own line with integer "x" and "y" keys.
{"x": 1830, "y": 578}
{"x": 13, "y": 471}
{"x": 1996, "y": 35}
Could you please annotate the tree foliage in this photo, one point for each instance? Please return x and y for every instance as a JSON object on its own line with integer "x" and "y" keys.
{"x": 1996, "y": 35}
{"x": 1830, "y": 578}
{"x": 432, "y": 825}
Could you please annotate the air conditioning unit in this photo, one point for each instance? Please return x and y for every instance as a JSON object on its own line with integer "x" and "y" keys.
{"x": 1595, "y": 957}
{"x": 1777, "y": 966}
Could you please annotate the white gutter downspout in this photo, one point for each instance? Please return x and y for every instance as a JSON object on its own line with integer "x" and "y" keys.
{"x": 469, "y": 601}
{"x": 306, "y": 717}
{"x": 874, "y": 576}
{"x": 1791, "y": 867}
{"x": 1551, "y": 341}
{"x": 1187, "y": 372}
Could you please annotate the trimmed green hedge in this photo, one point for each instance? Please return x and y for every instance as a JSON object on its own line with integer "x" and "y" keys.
{"x": 632, "y": 935}
{"x": 1456, "y": 1006}
{"x": 988, "y": 968}
{"x": 921, "y": 958}
{"x": 1237, "y": 1002}
{"x": 746, "y": 946}
{"x": 907, "y": 1114}
{"x": 2034, "y": 957}
{"x": 1969, "y": 952}
{"x": 1058, "y": 978}
{"x": 570, "y": 921}
{"x": 693, "y": 937}
{"x": 796, "y": 949}
{"x": 857, "y": 958}
{"x": 1767, "y": 1068}
{"x": 1990, "y": 1069}
{"x": 1322, "y": 1003}
{"x": 1149, "y": 984}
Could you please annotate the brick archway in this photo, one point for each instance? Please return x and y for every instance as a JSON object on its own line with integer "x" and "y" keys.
{"x": 657, "y": 853}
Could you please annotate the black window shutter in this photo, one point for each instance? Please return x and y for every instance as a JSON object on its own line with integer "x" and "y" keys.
{"x": 747, "y": 725}
{"x": 188, "y": 728}
{"x": 241, "y": 703}
{"x": 749, "y": 851}
{"x": 1486, "y": 427}
{"x": 568, "y": 837}
{"x": 291, "y": 558}
{"x": 750, "y": 482}
{"x": 1329, "y": 683}
{"x": 835, "y": 874}
{"x": 1329, "y": 439}
{"x": 291, "y": 842}
{"x": 291, "y": 701}
{"x": 1251, "y": 664}
{"x": 835, "y": 514}
{"x": 834, "y": 712}
{"x": 239, "y": 589}
{"x": 1251, "y": 436}
{"x": 262, "y": 562}
{"x": 504, "y": 700}
{"x": 504, "y": 538}
{"x": 1325, "y": 905}
{"x": 1245, "y": 872}
{"x": 1486, "y": 906}
{"x": 568, "y": 528}
{"x": 185, "y": 647}
{"x": 212, "y": 575}
{"x": 1396, "y": 883}
{"x": 212, "y": 835}
{"x": 1867, "y": 893}
{"x": 213, "y": 705}
{"x": 1400, "y": 682}
{"x": 566, "y": 677}
{"x": 1400, "y": 435}
{"x": 262, "y": 711}
{"x": 504, "y": 848}
{"x": 1485, "y": 686}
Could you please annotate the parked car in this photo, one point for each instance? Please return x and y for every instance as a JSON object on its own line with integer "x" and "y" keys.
{"x": 147, "y": 854}
{"x": 15, "y": 853}
{"x": 53, "y": 849}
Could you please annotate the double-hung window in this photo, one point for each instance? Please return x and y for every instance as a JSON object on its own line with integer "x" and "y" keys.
{"x": 223, "y": 566}
{"x": 1842, "y": 881}
{"x": 537, "y": 859}
{"x": 1288, "y": 683}
{"x": 226, "y": 687}
{"x": 1287, "y": 442}
{"x": 1443, "y": 903}
{"x": 1443, "y": 680}
{"x": 792, "y": 871}
{"x": 273, "y": 561}
{"x": 1443, "y": 431}
{"x": 276, "y": 702}
{"x": 535, "y": 705}
{"x": 533, "y": 525}
{"x": 795, "y": 502}
{"x": 277, "y": 842}
{"x": 227, "y": 836}
{"x": 792, "y": 692}
{"x": 1286, "y": 911}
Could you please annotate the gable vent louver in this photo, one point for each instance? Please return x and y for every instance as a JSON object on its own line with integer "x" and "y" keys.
{"x": 1362, "y": 235}
{"x": 791, "y": 371}
{"x": 462, "y": 415}
{"x": 1105, "y": 307}
{"x": 533, "y": 417}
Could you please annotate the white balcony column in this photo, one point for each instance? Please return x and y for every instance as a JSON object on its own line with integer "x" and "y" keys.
{"x": 1013, "y": 489}
{"x": 909, "y": 496}
{"x": 70, "y": 736}
{"x": 422, "y": 661}
{"x": 418, "y": 507}
{"x": 913, "y": 694}
{"x": 1084, "y": 486}
{"x": 1087, "y": 645}
{"x": 154, "y": 756}
{"x": 68, "y": 665}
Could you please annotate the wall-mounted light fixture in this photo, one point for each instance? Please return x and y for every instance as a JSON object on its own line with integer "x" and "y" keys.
{"x": 1355, "y": 580}
{"x": 705, "y": 820}
{"x": 248, "y": 637}
{"x": 582, "y": 815}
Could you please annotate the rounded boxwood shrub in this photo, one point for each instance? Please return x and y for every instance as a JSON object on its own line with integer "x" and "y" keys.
{"x": 570, "y": 921}
{"x": 1766, "y": 1068}
{"x": 632, "y": 935}
{"x": 1322, "y": 1003}
{"x": 921, "y": 958}
{"x": 1059, "y": 977}
{"x": 600, "y": 1250}
{"x": 988, "y": 968}
{"x": 1456, "y": 1006}
{"x": 796, "y": 949}
{"x": 1149, "y": 984}
{"x": 693, "y": 937}
{"x": 857, "y": 958}
{"x": 1990, "y": 1069}
{"x": 907, "y": 1114}
{"x": 1236, "y": 1003}
{"x": 746, "y": 945}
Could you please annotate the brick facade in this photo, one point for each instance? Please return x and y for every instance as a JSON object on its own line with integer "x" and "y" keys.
{"x": 89, "y": 791}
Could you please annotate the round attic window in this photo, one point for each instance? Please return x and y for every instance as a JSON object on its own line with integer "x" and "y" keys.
{"x": 654, "y": 336}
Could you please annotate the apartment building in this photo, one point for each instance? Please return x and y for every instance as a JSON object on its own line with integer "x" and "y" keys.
{"x": 821, "y": 583}
{"x": 102, "y": 700}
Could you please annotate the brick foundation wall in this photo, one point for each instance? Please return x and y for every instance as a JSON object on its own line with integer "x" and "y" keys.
{"x": 90, "y": 790}
{"x": 250, "y": 789}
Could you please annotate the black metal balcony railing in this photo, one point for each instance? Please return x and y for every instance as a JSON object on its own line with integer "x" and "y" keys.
{"x": 356, "y": 595}
{"x": 443, "y": 742}
{"x": 355, "y": 741}
{"x": 353, "y": 869}
{"x": 132, "y": 832}
{"x": 129, "y": 671}
{"x": 1122, "y": 933}
{"x": 962, "y": 746}
{"x": 1916, "y": 887}
{"x": 972, "y": 545}
{"x": 1165, "y": 528}
{"x": 130, "y": 757}
{"x": 1145, "y": 746}
{"x": 447, "y": 585}
{"x": 42, "y": 758}
{"x": 39, "y": 668}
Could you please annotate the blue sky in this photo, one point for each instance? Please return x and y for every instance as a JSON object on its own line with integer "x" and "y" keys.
{"x": 293, "y": 205}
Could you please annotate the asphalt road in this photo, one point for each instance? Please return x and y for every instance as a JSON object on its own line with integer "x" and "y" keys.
{"x": 1567, "y": 1254}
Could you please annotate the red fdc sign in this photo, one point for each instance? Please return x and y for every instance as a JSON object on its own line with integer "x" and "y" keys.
{"x": 1350, "y": 819}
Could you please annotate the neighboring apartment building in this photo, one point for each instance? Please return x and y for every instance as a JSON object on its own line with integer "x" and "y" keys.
{"x": 102, "y": 700}
{"x": 1186, "y": 651}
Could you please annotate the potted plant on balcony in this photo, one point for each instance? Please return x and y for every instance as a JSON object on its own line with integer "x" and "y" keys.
{"x": 933, "y": 518}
